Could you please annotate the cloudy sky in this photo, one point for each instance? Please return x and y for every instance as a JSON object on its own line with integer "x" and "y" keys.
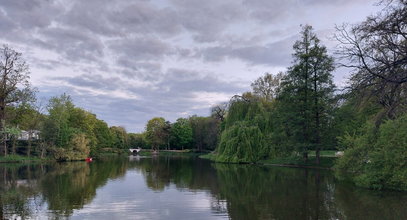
{"x": 131, "y": 60}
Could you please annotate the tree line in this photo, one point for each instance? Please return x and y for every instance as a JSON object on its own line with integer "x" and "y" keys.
{"x": 195, "y": 133}
{"x": 61, "y": 130}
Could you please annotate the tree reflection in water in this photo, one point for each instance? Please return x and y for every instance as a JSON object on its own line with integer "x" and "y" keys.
{"x": 61, "y": 186}
{"x": 239, "y": 191}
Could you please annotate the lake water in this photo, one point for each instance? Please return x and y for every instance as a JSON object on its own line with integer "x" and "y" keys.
{"x": 185, "y": 188}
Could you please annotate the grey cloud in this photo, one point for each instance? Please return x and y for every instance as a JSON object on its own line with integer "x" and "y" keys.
{"x": 146, "y": 70}
{"x": 186, "y": 81}
{"x": 208, "y": 19}
{"x": 21, "y": 5}
{"x": 29, "y": 14}
{"x": 272, "y": 11}
{"x": 143, "y": 17}
{"x": 6, "y": 24}
{"x": 48, "y": 64}
{"x": 277, "y": 54}
{"x": 93, "y": 81}
{"x": 76, "y": 46}
{"x": 275, "y": 12}
{"x": 90, "y": 15}
{"x": 140, "y": 48}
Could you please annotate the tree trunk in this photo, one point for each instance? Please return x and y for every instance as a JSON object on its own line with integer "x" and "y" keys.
{"x": 42, "y": 149}
{"x": 168, "y": 144}
{"x": 29, "y": 144}
{"x": 318, "y": 155}
{"x": 4, "y": 135}
{"x": 3, "y": 122}
{"x": 317, "y": 120}
{"x": 13, "y": 146}
{"x": 5, "y": 145}
{"x": 306, "y": 119}
{"x": 305, "y": 156}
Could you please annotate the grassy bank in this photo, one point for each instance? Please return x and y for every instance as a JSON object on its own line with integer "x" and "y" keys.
{"x": 171, "y": 153}
{"x": 327, "y": 160}
{"x": 210, "y": 156}
{"x": 21, "y": 159}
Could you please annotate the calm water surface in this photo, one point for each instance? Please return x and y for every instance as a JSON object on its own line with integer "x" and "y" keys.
{"x": 185, "y": 188}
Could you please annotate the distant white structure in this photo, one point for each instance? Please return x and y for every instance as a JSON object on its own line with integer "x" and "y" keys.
{"x": 25, "y": 135}
{"x": 132, "y": 150}
{"x": 339, "y": 154}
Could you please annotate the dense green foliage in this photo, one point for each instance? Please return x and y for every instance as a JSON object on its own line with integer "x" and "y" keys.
{"x": 137, "y": 140}
{"x": 66, "y": 131}
{"x": 197, "y": 133}
{"x": 307, "y": 93}
{"x": 377, "y": 158}
{"x": 205, "y": 132}
{"x": 181, "y": 134}
{"x": 156, "y": 133}
{"x": 247, "y": 132}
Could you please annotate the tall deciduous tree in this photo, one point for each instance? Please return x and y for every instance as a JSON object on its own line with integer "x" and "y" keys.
{"x": 308, "y": 91}
{"x": 181, "y": 133}
{"x": 28, "y": 116}
{"x": 219, "y": 111}
{"x": 137, "y": 140}
{"x": 120, "y": 138}
{"x": 377, "y": 51}
{"x": 155, "y": 132}
{"x": 103, "y": 134}
{"x": 267, "y": 86}
{"x": 56, "y": 130}
{"x": 14, "y": 84}
{"x": 205, "y": 131}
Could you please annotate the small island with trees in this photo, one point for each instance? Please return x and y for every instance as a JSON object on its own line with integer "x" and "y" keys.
{"x": 297, "y": 117}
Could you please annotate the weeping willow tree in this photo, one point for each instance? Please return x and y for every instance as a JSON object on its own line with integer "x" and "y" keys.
{"x": 246, "y": 135}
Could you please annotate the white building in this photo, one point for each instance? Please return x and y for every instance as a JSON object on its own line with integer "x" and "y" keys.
{"x": 24, "y": 136}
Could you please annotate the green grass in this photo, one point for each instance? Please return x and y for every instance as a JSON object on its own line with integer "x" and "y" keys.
{"x": 18, "y": 159}
{"x": 210, "y": 156}
{"x": 326, "y": 162}
{"x": 171, "y": 153}
{"x": 323, "y": 153}
{"x": 108, "y": 155}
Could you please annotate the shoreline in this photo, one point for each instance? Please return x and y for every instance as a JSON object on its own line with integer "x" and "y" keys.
{"x": 327, "y": 162}
{"x": 277, "y": 162}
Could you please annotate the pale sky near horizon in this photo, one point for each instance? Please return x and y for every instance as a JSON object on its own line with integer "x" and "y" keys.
{"x": 130, "y": 61}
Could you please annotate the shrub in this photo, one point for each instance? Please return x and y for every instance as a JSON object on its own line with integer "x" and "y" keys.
{"x": 78, "y": 149}
{"x": 378, "y": 158}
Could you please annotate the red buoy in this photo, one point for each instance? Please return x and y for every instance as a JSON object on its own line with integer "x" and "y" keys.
{"x": 89, "y": 159}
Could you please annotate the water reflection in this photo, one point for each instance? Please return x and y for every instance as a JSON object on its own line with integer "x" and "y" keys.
{"x": 184, "y": 188}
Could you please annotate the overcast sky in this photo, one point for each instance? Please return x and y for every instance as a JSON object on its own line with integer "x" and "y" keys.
{"x": 131, "y": 60}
